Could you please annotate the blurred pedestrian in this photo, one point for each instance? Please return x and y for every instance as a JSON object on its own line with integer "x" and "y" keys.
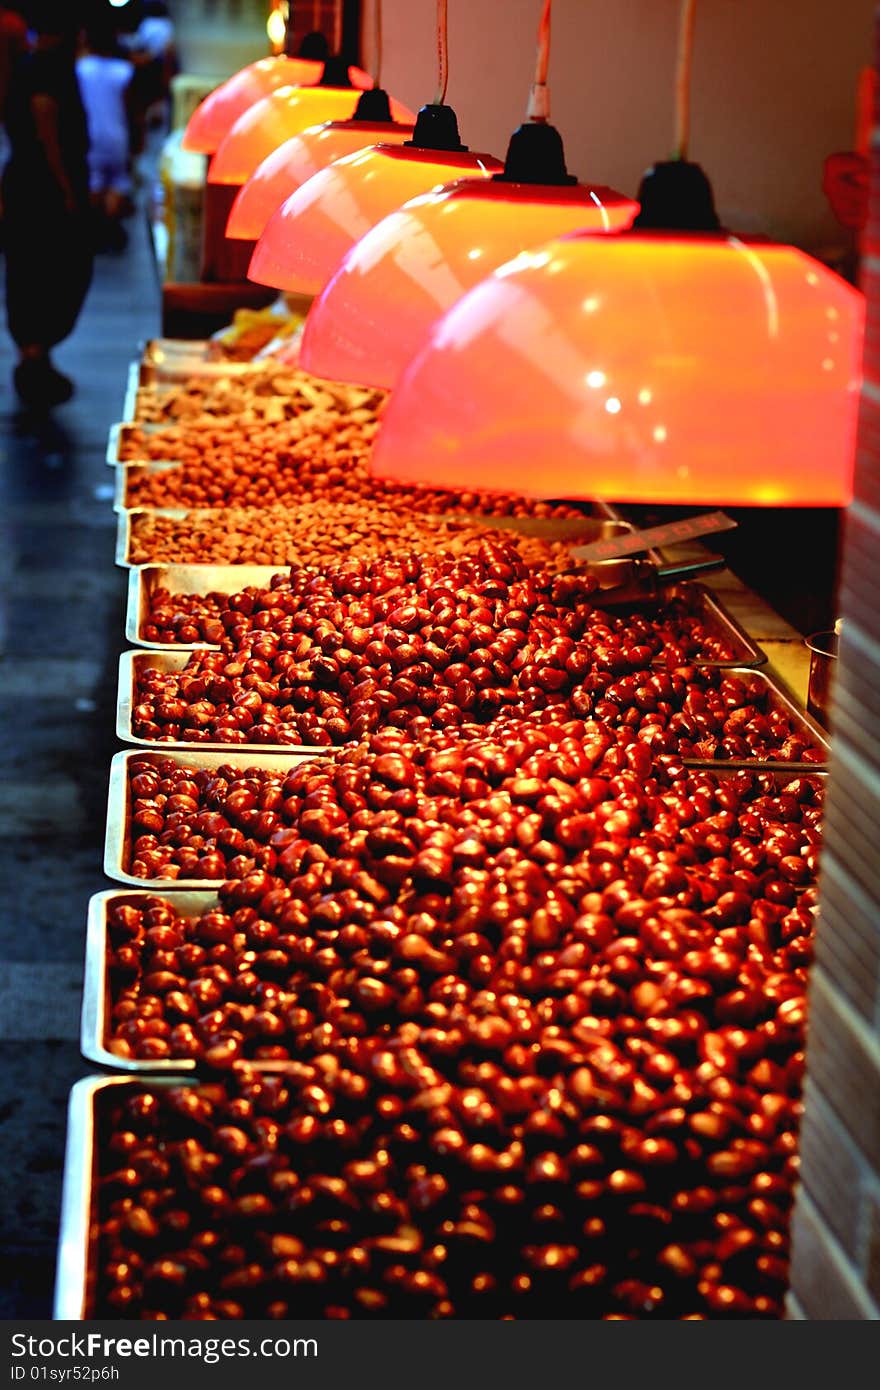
{"x": 46, "y": 202}
{"x": 152, "y": 49}
{"x": 105, "y": 82}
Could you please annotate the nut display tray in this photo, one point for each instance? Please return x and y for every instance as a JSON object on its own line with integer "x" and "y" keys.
{"x": 116, "y": 437}
{"x": 578, "y": 530}
{"x": 73, "y": 1280}
{"x": 117, "y": 839}
{"x": 144, "y": 580}
{"x": 95, "y": 991}
{"x": 132, "y": 662}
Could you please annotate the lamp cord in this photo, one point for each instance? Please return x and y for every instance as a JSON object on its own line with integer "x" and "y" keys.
{"x": 538, "y": 108}
{"x": 377, "y": 43}
{"x": 442, "y": 53}
{"x": 684, "y": 65}
{"x": 337, "y": 27}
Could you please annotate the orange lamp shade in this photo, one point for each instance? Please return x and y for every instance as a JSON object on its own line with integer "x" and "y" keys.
{"x": 372, "y": 316}
{"x": 277, "y": 117}
{"x": 296, "y": 161}
{"x": 214, "y": 117}
{"x": 308, "y": 236}
{"x": 645, "y": 367}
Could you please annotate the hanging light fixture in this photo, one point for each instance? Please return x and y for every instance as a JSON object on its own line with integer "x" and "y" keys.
{"x": 302, "y": 156}
{"x": 282, "y": 114}
{"x": 214, "y": 117}
{"x": 372, "y": 315}
{"x": 662, "y": 366}
{"x": 306, "y": 238}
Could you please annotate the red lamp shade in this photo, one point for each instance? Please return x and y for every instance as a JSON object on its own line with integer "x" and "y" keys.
{"x": 308, "y": 236}
{"x": 295, "y": 162}
{"x": 277, "y": 117}
{"x": 214, "y": 117}
{"x": 373, "y": 315}
{"x": 655, "y": 368}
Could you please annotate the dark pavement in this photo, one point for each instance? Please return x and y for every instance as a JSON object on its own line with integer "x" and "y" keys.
{"x": 61, "y": 631}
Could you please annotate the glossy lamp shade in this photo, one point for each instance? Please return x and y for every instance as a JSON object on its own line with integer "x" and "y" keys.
{"x": 308, "y": 236}
{"x": 372, "y": 316}
{"x": 296, "y": 161}
{"x": 276, "y": 118}
{"x": 214, "y": 117}
{"x": 654, "y": 368}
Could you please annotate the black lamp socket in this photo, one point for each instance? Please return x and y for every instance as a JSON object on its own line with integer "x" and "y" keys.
{"x": 536, "y": 155}
{"x": 437, "y": 129}
{"x": 676, "y": 196}
{"x": 373, "y": 105}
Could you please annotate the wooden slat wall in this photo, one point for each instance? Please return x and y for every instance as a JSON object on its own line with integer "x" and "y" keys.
{"x": 836, "y": 1251}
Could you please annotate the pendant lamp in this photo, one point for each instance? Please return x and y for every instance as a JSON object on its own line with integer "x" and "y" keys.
{"x": 301, "y": 157}
{"x": 649, "y": 367}
{"x": 277, "y": 117}
{"x": 371, "y": 317}
{"x": 306, "y": 238}
{"x": 214, "y": 117}
{"x": 674, "y": 363}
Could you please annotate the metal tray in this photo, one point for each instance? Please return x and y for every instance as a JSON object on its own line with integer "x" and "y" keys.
{"x": 179, "y": 366}
{"x": 74, "y": 1273}
{"x": 590, "y": 528}
{"x": 117, "y": 837}
{"x": 711, "y": 611}
{"x": 777, "y": 698}
{"x": 95, "y": 990}
{"x": 131, "y": 662}
{"x": 123, "y": 530}
{"x": 159, "y": 351}
{"x": 129, "y": 404}
{"x": 114, "y": 443}
{"x": 126, "y": 473}
{"x": 144, "y": 580}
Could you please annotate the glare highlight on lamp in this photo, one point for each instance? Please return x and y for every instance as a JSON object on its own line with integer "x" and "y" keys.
{"x": 305, "y": 240}
{"x": 402, "y": 275}
{"x": 214, "y": 117}
{"x": 663, "y": 368}
{"x": 299, "y": 159}
{"x": 275, "y": 119}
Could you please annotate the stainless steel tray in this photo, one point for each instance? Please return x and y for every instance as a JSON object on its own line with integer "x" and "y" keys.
{"x": 590, "y": 528}
{"x": 179, "y": 366}
{"x": 95, "y": 992}
{"x": 124, "y": 525}
{"x": 131, "y": 662}
{"x": 117, "y": 836}
{"x": 74, "y": 1273}
{"x": 126, "y": 473}
{"x": 711, "y": 611}
{"x": 159, "y": 351}
{"x": 777, "y": 698}
{"x": 115, "y": 439}
{"x": 229, "y": 579}
{"x": 144, "y": 580}
{"x": 129, "y": 405}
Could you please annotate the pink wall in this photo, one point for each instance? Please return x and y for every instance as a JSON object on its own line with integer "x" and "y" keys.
{"x": 774, "y": 90}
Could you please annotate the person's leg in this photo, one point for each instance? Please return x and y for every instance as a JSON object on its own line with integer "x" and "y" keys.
{"x": 48, "y": 272}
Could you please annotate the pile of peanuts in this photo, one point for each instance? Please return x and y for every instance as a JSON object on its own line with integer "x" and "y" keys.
{"x": 322, "y": 454}
{"x": 542, "y": 1011}
{"x": 316, "y": 533}
{"x": 423, "y": 644}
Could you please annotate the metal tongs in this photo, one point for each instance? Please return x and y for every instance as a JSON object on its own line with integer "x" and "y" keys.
{"x": 633, "y": 580}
